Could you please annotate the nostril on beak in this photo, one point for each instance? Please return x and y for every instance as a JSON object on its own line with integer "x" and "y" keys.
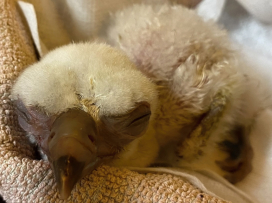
{"x": 91, "y": 138}
{"x": 52, "y": 135}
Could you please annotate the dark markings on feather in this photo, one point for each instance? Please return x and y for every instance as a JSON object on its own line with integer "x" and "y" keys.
{"x": 234, "y": 149}
{"x": 240, "y": 152}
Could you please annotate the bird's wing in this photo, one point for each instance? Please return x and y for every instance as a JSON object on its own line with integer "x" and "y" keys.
{"x": 191, "y": 147}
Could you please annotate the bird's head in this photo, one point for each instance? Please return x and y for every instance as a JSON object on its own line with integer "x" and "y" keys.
{"x": 83, "y": 103}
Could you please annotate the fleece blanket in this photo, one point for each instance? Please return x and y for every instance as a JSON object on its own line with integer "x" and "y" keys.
{"x": 24, "y": 179}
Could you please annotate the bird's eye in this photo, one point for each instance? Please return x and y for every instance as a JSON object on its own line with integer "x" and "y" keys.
{"x": 137, "y": 120}
{"x": 133, "y": 123}
{"x": 140, "y": 120}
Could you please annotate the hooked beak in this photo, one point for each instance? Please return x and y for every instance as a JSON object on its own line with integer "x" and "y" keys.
{"x": 72, "y": 149}
{"x": 67, "y": 172}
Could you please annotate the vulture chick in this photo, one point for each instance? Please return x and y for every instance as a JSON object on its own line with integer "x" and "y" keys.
{"x": 186, "y": 102}
{"x": 87, "y": 104}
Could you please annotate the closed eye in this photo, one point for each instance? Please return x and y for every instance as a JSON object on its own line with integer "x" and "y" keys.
{"x": 140, "y": 119}
{"x": 133, "y": 124}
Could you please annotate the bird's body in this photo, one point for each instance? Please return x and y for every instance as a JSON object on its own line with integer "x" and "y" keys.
{"x": 207, "y": 98}
{"x": 185, "y": 103}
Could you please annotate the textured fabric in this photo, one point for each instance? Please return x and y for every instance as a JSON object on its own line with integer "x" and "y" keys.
{"x": 24, "y": 179}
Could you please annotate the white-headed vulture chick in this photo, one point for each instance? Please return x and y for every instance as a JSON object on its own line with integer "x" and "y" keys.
{"x": 186, "y": 102}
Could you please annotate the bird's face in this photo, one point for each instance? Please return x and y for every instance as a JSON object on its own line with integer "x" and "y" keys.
{"x": 83, "y": 103}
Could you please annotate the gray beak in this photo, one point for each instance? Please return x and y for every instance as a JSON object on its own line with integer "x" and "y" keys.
{"x": 72, "y": 149}
{"x": 67, "y": 172}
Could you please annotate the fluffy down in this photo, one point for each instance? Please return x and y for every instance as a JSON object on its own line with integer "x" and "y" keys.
{"x": 208, "y": 100}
